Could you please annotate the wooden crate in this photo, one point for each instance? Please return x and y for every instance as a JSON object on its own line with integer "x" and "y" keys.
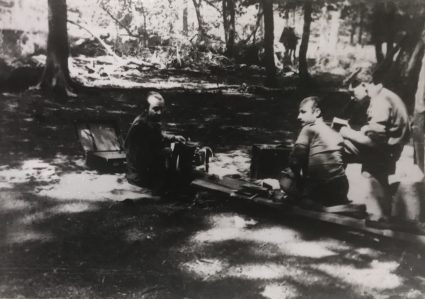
{"x": 268, "y": 160}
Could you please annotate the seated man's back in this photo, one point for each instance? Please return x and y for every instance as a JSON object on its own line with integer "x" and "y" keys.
{"x": 325, "y": 146}
{"x": 317, "y": 157}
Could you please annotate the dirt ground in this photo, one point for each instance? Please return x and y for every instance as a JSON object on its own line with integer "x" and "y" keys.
{"x": 66, "y": 231}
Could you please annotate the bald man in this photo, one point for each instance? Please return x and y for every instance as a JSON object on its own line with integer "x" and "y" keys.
{"x": 316, "y": 158}
{"x": 146, "y": 146}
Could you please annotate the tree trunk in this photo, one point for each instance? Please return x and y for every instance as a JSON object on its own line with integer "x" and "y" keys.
{"x": 353, "y": 28}
{"x": 269, "y": 42}
{"x": 260, "y": 31}
{"x": 225, "y": 20}
{"x": 378, "y": 29}
{"x": 302, "y": 57}
{"x": 361, "y": 23}
{"x": 378, "y": 52}
{"x": 229, "y": 25}
{"x": 185, "y": 19}
{"x": 418, "y": 125}
{"x": 257, "y": 29}
{"x": 145, "y": 30}
{"x": 201, "y": 29}
{"x": 56, "y": 78}
{"x": 391, "y": 28}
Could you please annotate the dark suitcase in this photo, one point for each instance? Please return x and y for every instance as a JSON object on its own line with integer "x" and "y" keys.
{"x": 268, "y": 160}
{"x": 102, "y": 145}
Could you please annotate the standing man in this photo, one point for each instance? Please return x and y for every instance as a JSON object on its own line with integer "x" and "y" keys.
{"x": 146, "y": 146}
{"x": 379, "y": 143}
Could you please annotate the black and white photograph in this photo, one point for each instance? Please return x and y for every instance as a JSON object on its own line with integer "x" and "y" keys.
{"x": 208, "y": 149}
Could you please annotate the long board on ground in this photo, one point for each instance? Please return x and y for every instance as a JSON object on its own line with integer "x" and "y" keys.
{"x": 229, "y": 187}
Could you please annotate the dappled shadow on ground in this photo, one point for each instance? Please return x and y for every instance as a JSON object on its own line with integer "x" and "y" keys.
{"x": 176, "y": 248}
{"x": 280, "y": 261}
{"x": 68, "y": 231}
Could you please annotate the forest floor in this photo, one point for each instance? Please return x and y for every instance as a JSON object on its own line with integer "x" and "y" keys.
{"x": 65, "y": 231}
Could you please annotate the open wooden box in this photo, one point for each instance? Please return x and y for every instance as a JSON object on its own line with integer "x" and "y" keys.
{"x": 102, "y": 145}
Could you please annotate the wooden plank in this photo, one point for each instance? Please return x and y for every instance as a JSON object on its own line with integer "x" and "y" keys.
{"x": 353, "y": 223}
{"x": 348, "y": 208}
{"x": 211, "y": 186}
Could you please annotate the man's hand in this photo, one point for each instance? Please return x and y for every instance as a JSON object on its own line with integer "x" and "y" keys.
{"x": 179, "y": 138}
{"x": 346, "y": 132}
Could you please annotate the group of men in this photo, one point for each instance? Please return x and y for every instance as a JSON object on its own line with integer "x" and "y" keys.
{"x": 320, "y": 153}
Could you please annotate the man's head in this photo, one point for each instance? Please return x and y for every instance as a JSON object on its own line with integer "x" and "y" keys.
{"x": 309, "y": 110}
{"x": 155, "y": 106}
{"x": 361, "y": 83}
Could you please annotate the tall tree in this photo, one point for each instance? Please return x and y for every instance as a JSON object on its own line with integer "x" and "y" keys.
{"x": 362, "y": 12}
{"x": 229, "y": 25}
{"x": 383, "y": 25}
{"x": 201, "y": 25}
{"x": 56, "y": 78}
{"x": 185, "y": 19}
{"x": 302, "y": 56}
{"x": 269, "y": 42}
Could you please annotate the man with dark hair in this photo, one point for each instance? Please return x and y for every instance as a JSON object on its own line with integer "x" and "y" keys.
{"x": 316, "y": 158}
{"x": 146, "y": 146}
{"x": 378, "y": 144}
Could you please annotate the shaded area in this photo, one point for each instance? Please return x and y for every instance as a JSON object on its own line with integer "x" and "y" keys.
{"x": 67, "y": 231}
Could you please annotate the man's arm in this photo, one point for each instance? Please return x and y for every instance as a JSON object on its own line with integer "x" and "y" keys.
{"x": 374, "y": 132}
{"x": 173, "y": 138}
{"x": 298, "y": 160}
{"x": 356, "y": 136}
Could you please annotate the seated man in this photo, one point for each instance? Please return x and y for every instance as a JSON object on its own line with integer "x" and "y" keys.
{"x": 316, "y": 158}
{"x": 378, "y": 144}
{"x": 146, "y": 146}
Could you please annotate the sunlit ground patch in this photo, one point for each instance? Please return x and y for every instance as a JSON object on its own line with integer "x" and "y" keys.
{"x": 34, "y": 170}
{"x": 263, "y": 271}
{"x": 90, "y": 185}
{"x": 287, "y": 250}
{"x": 213, "y": 269}
{"x": 11, "y": 201}
{"x": 5, "y": 185}
{"x": 367, "y": 252}
{"x": 66, "y": 208}
{"x": 66, "y": 178}
{"x": 206, "y": 268}
{"x": 377, "y": 276}
{"x": 23, "y": 236}
{"x": 279, "y": 291}
{"x": 226, "y": 227}
{"x": 75, "y": 207}
{"x": 231, "y": 163}
{"x": 34, "y": 217}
